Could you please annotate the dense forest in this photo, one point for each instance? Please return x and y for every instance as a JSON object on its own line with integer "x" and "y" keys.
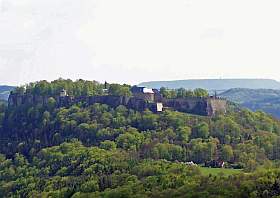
{"x": 267, "y": 100}
{"x": 99, "y": 151}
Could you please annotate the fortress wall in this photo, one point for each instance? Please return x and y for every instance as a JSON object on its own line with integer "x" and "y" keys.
{"x": 26, "y": 99}
{"x": 217, "y": 105}
{"x": 138, "y": 104}
{"x": 146, "y": 96}
{"x": 197, "y": 106}
{"x": 192, "y": 105}
{"x": 112, "y": 101}
{"x": 188, "y": 105}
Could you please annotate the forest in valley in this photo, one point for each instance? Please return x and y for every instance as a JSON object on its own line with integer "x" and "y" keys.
{"x": 100, "y": 151}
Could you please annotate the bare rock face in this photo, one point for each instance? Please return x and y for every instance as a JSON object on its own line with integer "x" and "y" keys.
{"x": 26, "y": 99}
{"x": 193, "y": 105}
{"x": 66, "y": 101}
{"x": 216, "y": 106}
{"x": 197, "y": 106}
{"x": 112, "y": 101}
{"x": 138, "y": 104}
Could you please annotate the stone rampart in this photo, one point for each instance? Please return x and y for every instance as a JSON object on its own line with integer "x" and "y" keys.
{"x": 193, "y": 105}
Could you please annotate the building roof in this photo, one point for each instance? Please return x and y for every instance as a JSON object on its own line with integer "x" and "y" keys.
{"x": 136, "y": 89}
{"x": 146, "y": 90}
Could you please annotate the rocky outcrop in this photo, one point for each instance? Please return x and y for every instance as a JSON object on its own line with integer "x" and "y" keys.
{"x": 216, "y": 105}
{"x": 196, "y": 105}
{"x": 193, "y": 105}
{"x": 67, "y": 101}
{"x": 26, "y": 99}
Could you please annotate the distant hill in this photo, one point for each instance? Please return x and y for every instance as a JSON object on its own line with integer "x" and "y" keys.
{"x": 215, "y": 84}
{"x": 255, "y": 94}
{"x": 5, "y": 92}
{"x": 267, "y": 100}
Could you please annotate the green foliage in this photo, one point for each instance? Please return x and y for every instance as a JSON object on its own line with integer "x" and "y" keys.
{"x": 219, "y": 171}
{"x": 183, "y": 93}
{"x": 119, "y": 90}
{"x": 71, "y": 169}
{"x": 266, "y": 100}
{"x": 201, "y": 130}
{"x": 168, "y": 152}
{"x": 203, "y": 151}
{"x": 130, "y": 140}
{"x": 77, "y": 88}
{"x": 99, "y": 151}
{"x": 226, "y": 153}
{"x": 200, "y": 92}
{"x": 108, "y": 145}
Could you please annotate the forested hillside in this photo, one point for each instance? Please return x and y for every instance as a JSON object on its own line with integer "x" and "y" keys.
{"x": 267, "y": 100}
{"x": 99, "y": 151}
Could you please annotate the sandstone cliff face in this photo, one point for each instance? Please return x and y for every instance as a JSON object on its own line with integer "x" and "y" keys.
{"x": 192, "y": 105}
{"x": 197, "y": 106}
{"x": 112, "y": 101}
{"x": 216, "y": 106}
{"x": 26, "y": 99}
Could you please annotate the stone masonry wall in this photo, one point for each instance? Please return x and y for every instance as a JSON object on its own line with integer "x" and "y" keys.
{"x": 192, "y": 105}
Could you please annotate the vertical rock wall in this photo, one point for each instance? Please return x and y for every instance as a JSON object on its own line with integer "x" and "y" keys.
{"x": 192, "y": 105}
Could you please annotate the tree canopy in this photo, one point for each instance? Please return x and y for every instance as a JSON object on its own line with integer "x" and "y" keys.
{"x": 100, "y": 151}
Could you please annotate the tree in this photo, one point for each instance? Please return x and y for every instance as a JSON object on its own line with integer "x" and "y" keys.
{"x": 19, "y": 90}
{"x": 119, "y": 90}
{"x": 226, "y": 153}
{"x": 181, "y": 93}
{"x": 200, "y": 92}
{"x": 189, "y": 93}
{"x": 203, "y": 151}
{"x": 51, "y": 103}
{"x": 108, "y": 145}
{"x": 148, "y": 121}
{"x": 167, "y": 151}
{"x": 201, "y": 130}
{"x": 130, "y": 140}
{"x": 46, "y": 118}
{"x": 164, "y": 92}
{"x": 42, "y": 88}
{"x": 183, "y": 134}
{"x": 90, "y": 186}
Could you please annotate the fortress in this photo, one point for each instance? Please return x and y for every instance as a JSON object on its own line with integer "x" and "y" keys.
{"x": 142, "y": 98}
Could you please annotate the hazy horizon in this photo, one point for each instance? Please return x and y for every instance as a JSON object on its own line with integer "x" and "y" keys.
{"x": 172, "y": 80}
{"x": 130, "y": 41}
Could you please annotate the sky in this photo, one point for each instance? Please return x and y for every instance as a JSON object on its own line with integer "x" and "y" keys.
{"x": 131, "y": 41}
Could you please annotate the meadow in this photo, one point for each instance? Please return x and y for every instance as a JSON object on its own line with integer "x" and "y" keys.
{"x": 219, "y": 171}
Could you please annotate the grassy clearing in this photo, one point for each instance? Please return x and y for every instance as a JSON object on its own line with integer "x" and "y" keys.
{"x": 218, "y": 171}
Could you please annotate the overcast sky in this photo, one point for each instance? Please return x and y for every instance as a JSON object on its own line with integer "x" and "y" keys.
{"x": 138, "y": 40}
